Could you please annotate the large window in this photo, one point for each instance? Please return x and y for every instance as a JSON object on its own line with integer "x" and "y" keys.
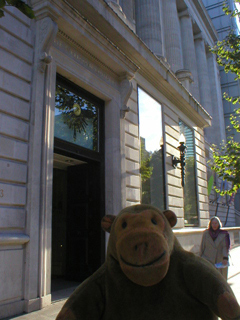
{"x": 76, "y": 117}
{"x": 190, "y": 194}
{"x": 151, "y": 139}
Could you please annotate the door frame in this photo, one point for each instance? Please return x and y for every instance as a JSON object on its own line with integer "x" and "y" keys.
{"x": 74, "y": 151}
{"x": 113, "y": 182}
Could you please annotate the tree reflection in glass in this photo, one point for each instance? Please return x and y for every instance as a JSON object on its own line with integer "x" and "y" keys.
{"x": 76, "y": 119}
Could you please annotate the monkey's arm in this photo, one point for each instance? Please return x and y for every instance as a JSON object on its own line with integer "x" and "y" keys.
{"x": 87, "y": 301}
{"x": 208, "y": 286}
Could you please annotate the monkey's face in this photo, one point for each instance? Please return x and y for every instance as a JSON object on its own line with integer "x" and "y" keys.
{"x": 142, "y": 245}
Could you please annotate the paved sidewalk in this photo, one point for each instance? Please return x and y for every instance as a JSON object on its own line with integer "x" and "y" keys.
{"x": 234, "y": 272}
{"x": 50, "y": 312}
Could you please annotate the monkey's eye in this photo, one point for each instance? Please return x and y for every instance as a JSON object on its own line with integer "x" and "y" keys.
{"x": 124, "y": 225}
{"x": 154, "y": 221}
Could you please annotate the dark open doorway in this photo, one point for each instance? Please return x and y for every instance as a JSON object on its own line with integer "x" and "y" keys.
{"x": 77, "y": 249}
{"x": 78, "y": 244}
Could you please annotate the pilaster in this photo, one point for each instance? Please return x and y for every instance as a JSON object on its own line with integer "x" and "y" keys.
{"x": 188, "y": 50}
{"x": 204, "y": 85}
{"x": 115, "y": 163}
{"x": 126, "y": 88}
{"x": 218, "y": 132}
{"x": 37, "y": 256}
{"x": 203, "y": 78}
{"x": 112, "y": 157}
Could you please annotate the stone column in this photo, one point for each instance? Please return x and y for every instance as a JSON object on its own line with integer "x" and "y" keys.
{"x": 188, "y": 50}
{"x": 148, "y": 24}
{"x": 203, "y": 79}
{"x": 172, "y": 35}
{"x": 218, "y": 124}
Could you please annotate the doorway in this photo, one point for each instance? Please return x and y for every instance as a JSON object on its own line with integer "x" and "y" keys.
{"x": 77, "y": 249}
{"x": 78, "y": 244}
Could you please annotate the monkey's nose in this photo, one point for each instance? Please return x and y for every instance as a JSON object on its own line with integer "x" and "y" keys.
{"x": 141, "y": 246}
{"x": 141, "y": 249}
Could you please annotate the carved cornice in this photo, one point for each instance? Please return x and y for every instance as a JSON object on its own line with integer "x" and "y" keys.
{"x": 94, "y": 32}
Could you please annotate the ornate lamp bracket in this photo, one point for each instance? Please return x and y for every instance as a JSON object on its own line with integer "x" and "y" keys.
{"x": 182, "y": 148}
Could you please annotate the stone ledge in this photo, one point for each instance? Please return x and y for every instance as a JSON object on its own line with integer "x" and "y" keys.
{"x": 13, "y": 238}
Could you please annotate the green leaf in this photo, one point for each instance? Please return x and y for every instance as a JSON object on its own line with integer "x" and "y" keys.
{"x": 210, "y": 185}
{"x": 20, "y": 5}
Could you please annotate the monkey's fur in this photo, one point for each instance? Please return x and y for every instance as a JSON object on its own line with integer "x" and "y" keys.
{"x": 148, "y": 275}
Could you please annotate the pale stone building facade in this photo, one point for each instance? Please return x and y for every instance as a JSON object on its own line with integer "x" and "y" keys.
{"x": 93, "y": 98}
{"x": 224, "y": 24}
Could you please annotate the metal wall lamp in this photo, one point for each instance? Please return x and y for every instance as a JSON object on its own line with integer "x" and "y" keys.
{"x": 175, "y": 161}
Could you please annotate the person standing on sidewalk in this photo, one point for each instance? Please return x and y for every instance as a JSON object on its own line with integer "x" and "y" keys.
{"x": 215, "y": 245}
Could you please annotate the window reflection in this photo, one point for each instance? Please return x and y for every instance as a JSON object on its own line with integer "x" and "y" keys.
{"x": 150, "y": 131}
{"x": 76, "y": 119}
{"x": 190, "y": 194}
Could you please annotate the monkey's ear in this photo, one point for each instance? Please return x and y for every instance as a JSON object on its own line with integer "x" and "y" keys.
{"x": 107, "y": 222}
{"x": 171, "y": 217}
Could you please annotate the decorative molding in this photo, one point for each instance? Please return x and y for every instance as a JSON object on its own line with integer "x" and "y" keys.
{"x": 184, "y": 13}
{"x": 123, "y": 111}
{"x": 199, "y": 36}
{"x": 74, "y": 49}
{"x": 186, "y": 78}
{"x": 126, "y": 88}
{"x": 117, "y": 9}
{"x": 163, "y": 61}
{"x": 184, "y": 74}
{"x": 43, "y": 9}
{"x": 47, "y": 33}
{"x": 13, "y": 238}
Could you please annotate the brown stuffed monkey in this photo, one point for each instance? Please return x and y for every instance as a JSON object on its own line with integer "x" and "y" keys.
{"x": 149, "y": 276}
